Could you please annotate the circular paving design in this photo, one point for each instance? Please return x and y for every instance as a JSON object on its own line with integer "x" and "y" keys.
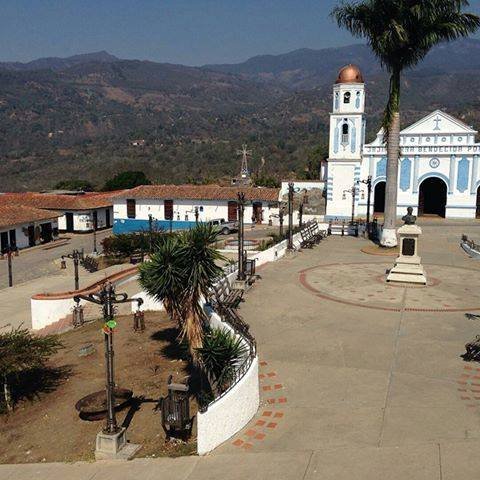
{"x": 449, "y": 289}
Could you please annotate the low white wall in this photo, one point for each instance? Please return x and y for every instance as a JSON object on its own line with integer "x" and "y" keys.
{"x": 230, "y": 413}
{"x": 149, "y": 303}
{"x": 46, "y": 312}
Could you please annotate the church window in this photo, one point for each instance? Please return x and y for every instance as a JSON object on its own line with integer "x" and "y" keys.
{"x": 345, "y": 134}
{"x": 346, "y": 97}
{"x": 460, "y": 139}
{"x": 412, "y": 139}
{"x": 427, "y": 139}
{"x": 444, "y": 139}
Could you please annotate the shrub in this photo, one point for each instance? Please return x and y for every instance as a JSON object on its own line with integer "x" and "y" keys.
{"x": 20, "y": 353}
{"x": 126, "y": 244}
{"x": 221, "y": 354}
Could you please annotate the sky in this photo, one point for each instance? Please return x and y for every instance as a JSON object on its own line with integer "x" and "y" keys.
{"x": 190, "y": 32}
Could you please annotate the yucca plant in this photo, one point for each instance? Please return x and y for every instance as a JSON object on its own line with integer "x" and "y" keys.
{"x": 221, "y": 354}
{"x": 180, "y": 274}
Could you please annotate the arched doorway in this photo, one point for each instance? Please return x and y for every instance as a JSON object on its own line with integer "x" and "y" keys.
{"x": 477, "y": 213}
{"x": 432, "y": 198}
{"x": 379, "y": 198}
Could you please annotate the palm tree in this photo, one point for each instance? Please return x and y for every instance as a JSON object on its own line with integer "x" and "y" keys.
{"x": 400, "y": 34}
{"x": 181, "y": 274}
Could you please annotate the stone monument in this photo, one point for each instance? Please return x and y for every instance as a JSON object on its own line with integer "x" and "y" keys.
{"x": 408, "y": 268}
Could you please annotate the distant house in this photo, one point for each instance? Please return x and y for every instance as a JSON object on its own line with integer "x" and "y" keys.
{"x": 175, "y": 205}
{"x": 23, "y": 226}
{"x": 140, "y": 142}
{"x": 79, "y": 211}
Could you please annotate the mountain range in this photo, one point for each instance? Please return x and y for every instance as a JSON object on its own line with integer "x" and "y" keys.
{"x": 77, "y": 117}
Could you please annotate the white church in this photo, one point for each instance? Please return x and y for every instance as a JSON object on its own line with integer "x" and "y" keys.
{"x": 438, "y": 168}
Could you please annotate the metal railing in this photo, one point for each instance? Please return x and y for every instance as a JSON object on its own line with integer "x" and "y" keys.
{"x": 241, "y": 328}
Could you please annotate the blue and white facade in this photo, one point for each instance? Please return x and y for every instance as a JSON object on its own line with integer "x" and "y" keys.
{"x": 438, "y": 168}
{"x": 347, "y": 136}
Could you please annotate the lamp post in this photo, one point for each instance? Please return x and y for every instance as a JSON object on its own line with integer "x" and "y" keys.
{"x": 352, "y": 191}
{"x": 368, "y": 183}
{"x": 76, "y": 256}
{"x": 106, "y": 297}
{"x": 9, "y": 251}
{"x": 241, "y": 232}
{"x": 150, "y": 233}
{"x": 95, "y": 223}
{"x": 281, "y": 213}
{"x": 290, "y": 215}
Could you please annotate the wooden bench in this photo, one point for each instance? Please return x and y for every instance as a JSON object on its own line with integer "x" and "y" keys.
{"x": 90, "y": 264}
{"x": 473, "y": 349}
{"x": 307, "y": 239}
{"x": 316, "y": 230}
{"x": 225, "y": 295}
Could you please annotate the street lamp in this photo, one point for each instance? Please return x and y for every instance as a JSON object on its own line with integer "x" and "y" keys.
{"x": 107, "y": 297}
{"x": 241, "y": 232}
{"x": 9, "y": 251}
{"x": 368, "y": 183}
{"x": 150, "y": 233}
{"x": 352, "y": 191}
{"x": 95, "y": 223}
{"x": 290, "y": 215}
{"x": 76, "y": 256}
{"x": 281, "y": 213}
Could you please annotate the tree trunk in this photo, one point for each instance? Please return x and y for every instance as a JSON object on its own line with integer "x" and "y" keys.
{"x": 7, "y": 395}
{"x": 389, "y": 233}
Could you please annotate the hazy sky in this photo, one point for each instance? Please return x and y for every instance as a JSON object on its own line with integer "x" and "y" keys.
{"x": 192, "y": 32}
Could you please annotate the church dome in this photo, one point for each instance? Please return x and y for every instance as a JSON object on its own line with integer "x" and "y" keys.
{"x": 350, "y": 74}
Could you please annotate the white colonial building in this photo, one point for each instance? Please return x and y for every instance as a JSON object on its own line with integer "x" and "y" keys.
{"x": 438, "y": 167}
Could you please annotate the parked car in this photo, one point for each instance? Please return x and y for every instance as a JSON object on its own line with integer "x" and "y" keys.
{"x": 224, "y": 227}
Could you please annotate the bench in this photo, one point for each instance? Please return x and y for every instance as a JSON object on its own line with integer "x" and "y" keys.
{"x": 90, "y": 264}
{"x": 225, "y": 295}
{"x": 307, "y": 240}
{"x": 473, "y": 349}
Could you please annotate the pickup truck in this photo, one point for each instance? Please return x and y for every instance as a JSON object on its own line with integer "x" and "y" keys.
{"x": 224, "y": 227}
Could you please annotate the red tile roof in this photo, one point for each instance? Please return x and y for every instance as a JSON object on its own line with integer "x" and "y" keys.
{"x": 200, "y": 192}
{"x": 85, "y": 201}
{"x": 18, "y": 214}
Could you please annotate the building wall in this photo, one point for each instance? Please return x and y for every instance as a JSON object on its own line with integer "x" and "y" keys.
{"x": 83, "y": 220}
{"x": 183, "y": 213}
{"x": 459, "y": 173}
{"x": 21, "y": 236}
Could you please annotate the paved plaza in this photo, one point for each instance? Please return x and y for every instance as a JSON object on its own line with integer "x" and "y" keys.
{"x": 358, "y": 379}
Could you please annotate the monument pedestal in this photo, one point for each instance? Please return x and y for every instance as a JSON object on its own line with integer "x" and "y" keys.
{"x": 408, "y": 267}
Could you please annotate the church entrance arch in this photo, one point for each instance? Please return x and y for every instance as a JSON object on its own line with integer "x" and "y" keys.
{"x": 477, "y": 212}
{"x": 379, "y": 198}
{"x": 432, "y": 197}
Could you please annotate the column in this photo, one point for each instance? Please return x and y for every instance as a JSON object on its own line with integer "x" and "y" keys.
{"x": 451, "y": 175}
{"x": 416, "y": 164}
{"x": 473, "y": 179}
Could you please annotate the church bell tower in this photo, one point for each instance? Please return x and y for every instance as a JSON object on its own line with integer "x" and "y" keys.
{"x": 347, "y": 137}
